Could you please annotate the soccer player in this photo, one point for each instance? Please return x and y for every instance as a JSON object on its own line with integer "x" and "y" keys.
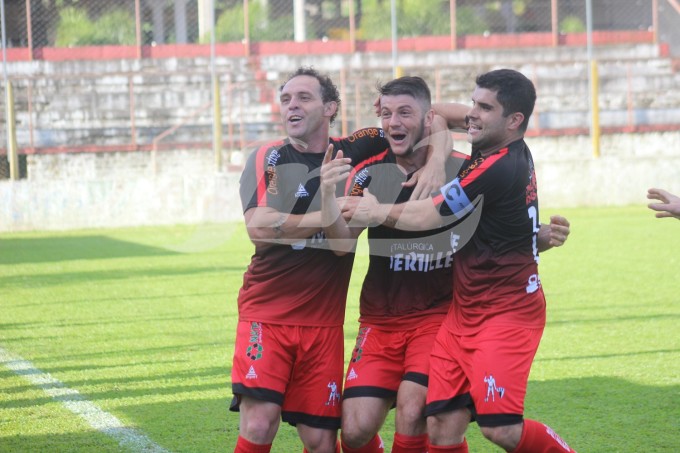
{"x": 289, "y": 352}
{"x": 483, "y": 352}
{"x": 669, "y": 206}
{"x": 407, "y": 290}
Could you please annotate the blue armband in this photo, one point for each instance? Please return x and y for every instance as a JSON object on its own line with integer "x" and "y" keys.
{"x": 456, "y": 199}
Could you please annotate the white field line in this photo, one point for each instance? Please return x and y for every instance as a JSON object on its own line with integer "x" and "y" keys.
{"x": 72, "y": 400}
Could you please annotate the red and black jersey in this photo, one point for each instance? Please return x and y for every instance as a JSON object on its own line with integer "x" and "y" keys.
{"x": 496, "y": 273}
{"x": 304, "y": 283}
{"x": 410, "y": 273}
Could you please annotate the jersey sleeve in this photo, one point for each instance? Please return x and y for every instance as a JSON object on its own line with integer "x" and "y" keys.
{"x": 363, "y": 144}
{"x": 263, "y": 181}
{"x": 480, "y": 179}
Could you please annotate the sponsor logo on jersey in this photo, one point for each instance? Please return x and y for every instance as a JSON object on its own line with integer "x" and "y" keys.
{"x": 420, "y": 262}
{"x": 371, "y": 132}
{"x": 272, "y": 177}
{"x": 492, "y": 389}
{"x": 533, "y": 284}
{"x": 301, "y": 192}
{"x": 531, "y": 189}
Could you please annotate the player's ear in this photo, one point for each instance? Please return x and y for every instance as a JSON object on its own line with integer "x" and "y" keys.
{"x": 515, "y": 120}
{"x": 329, "y": 108}
{"x": 429, "y": 117}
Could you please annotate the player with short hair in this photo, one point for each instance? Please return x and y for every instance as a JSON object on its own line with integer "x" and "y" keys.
{"x": 407, "y": 290}
{"x": 289, "y": 352}
{"x": 483, "y": 352}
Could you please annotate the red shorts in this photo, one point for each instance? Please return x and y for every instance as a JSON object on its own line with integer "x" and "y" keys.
{"x": 299, "y": 368}
{"x": 487, "y": 371}
{"x": 381, "y": 359}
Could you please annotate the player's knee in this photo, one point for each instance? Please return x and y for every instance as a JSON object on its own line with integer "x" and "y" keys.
{"x": 411, "y": 415}
{"x": 322, "y": 441}
{"x": 259, "y": 423}
{"x": 354, "y": 435}
{"x": 504, "y": 436}
{"x": 436, "y": 429}
{"x": 259, "y": 430}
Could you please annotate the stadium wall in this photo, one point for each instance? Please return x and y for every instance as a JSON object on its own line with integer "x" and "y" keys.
{"x": 118, "y": 189}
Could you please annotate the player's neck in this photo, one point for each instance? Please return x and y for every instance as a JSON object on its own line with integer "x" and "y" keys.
{"x": 315, "y": 144}
{"x": 413, "y": 160}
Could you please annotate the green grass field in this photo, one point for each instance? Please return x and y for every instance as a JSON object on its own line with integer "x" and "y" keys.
{"x": 139, "y": 322}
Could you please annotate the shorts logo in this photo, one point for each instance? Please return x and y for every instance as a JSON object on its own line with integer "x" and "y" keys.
{"x": 333, "y": 394}
{"x": 362, "y": 336}
{"x": 352, "y": 375}
{"x": 492, "y": 389}
{"x": 255, "y": 348}
{"x": 251, "y": 373}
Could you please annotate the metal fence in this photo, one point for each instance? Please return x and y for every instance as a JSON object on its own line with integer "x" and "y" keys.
{"x": 71, "y": 23}
{"x": 134, "y": 103}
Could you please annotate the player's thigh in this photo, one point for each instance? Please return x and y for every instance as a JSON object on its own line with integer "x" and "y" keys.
{"x": 376, "y": 367}
{"x": 500, "y": 372}
{"x": 315, "y": 388}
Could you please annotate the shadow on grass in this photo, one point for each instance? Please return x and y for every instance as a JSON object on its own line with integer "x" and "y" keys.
{"x": 66, "y": 248}
{"x": 60, "y": 278}
{"x": 594, "y": 415}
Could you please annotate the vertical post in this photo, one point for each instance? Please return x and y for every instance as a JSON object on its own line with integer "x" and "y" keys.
{"x": 12, "y": 155}
{"x": 217, "y": 103}
{"x": 300, "y": 29}
{"x": 343, "y": 105}
{"x": 29, "y": 30}
{"x": 655, "y": 21}
{"x": 393, "y": 9}
{"x": 138, "y": 28}
{"x": 593, "y": 84}
{"x": 131, "y": 97}
{"x": 12, "y": 152}
{"x": 352, "y": 28}
{"x": 554, "y": 22}
{"x": 454, "y": 30}
{"x": 246, "y": 28}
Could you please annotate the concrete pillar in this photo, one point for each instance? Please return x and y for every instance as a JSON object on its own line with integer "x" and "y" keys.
{"x": 157, "y": 10}
{"x": 181, "y": 21}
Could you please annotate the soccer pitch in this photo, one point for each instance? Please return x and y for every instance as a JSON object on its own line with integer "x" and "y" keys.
{"x": 121, "y": 340}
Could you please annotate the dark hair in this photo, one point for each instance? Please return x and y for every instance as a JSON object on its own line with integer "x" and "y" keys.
{"x": 329, "y": 92}
{"x": 514, "y": 91}
{"x": 411, "y": 86}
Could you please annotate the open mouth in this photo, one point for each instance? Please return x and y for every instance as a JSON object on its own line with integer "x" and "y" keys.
{"x": 398, "y": 138}
{"x": 294, "y": 119}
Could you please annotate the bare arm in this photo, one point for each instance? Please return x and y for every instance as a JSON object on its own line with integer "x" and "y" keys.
{"x": 433, "y": 175}
{"x": 266, "y": 226}
{"x": 415, "y": 215}
{"x": 454, "y": 114}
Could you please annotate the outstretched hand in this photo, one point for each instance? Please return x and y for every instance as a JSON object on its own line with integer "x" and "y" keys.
{"x": 669, "y": 206}
{"x": 333, "y": 171}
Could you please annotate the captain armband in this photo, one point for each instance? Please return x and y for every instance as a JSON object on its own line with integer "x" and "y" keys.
{"x": 455, "y": 198}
